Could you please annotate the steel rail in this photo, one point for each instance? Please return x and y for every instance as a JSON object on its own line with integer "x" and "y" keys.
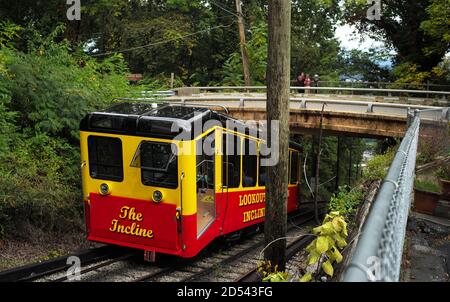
{"x": 98, "y": 266}
{"x": 36, "y": 271}
{"x": 291, "y": 251}
{"x": 184, "y": 264}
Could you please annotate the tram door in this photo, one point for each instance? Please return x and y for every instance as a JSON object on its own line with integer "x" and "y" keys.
{"x": 231, "y": 168}
{"x": 206, "y": 195}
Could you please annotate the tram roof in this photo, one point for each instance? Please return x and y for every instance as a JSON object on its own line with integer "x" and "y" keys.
{"x": 160, "y": 120}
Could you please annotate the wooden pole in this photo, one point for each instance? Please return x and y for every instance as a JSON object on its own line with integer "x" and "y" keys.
{"x": 317, "y": 184}
{"x": 338, "y": 165}
{"x": 278, "y": 82}
{"x": 244, "y": 54}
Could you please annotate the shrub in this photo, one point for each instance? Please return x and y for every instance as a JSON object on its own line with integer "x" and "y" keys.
{"x": 444, "y": 172}
{"x": 427, "y": 186}
{"x": 377, "y": 168}
{"x": 43, "y": 95}
{"x": 346, "y": 201}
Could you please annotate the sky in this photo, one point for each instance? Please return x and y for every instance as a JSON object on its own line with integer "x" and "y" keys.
{"x": 350, "y": 39}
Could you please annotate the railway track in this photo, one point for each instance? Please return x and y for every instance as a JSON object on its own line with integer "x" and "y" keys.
{"x": 292, "y": 249}
{"x": 229, "y": 265}
{"x": 110, "y": 263}
{"x": 59, "y": 265}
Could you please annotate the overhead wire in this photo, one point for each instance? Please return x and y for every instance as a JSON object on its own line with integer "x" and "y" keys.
{"x": 163, "y": 41}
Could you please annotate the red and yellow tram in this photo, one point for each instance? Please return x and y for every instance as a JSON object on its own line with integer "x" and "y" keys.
{"x": 152, "y": 181}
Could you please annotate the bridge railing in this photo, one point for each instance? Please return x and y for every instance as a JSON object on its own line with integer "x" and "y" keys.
{"x": 379, "y": 251}
{"x": 368, "y": 91}
{"x": 387, "y": 85}
{"x": 389, "y": 109}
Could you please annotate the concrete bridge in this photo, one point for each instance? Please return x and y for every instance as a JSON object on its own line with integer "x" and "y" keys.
{"x": 344, "y": 114}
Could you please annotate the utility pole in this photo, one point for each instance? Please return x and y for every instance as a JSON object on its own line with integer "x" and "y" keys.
{"x": 338, "y": 164}
{"x": 244, "y": 54}
{"x": 350, "y": 164}
{"x": 319, "y": 153}
{"x": 278, "y": 86}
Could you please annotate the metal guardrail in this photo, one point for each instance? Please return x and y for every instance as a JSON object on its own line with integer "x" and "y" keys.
{"x": 379, "y": 250}
{"x": 158, "y": 93}
{"x": 351, "y": 89}
{"x": 432, "y": 113}
{"x": 426, "y": 86}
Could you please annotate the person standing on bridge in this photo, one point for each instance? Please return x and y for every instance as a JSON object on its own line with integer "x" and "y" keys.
{"x": 301, "y": 81}
{"x": 307, "y": 83}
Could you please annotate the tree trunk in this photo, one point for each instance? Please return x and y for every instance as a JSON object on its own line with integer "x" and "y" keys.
{"x": 278, "y": 82}
{"x": 244, "y": 54}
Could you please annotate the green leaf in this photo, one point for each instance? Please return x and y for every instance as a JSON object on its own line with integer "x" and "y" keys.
{"x": 317, "y": 230}
{"x": 335, "y": 214}
{"x": 337, "y": 224}
{"x": 311, "y": 247}
{"x": 306, "y": 278}
{"x": 340, "y": 242}
{"x": 338, "y": 256}
{"x": 322, "y": 244}
{"x": 328, "y": 268}
{"x": 313, "y": 258}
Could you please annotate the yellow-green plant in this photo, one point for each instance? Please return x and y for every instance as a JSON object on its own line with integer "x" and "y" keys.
{"x": 326, "y": 248}
{"x": 270, "y": 274}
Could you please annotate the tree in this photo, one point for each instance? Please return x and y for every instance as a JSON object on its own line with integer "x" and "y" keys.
{"x": 314, "y": 48}
{"x": 364, "y": 65}
{"x": 244, "y": 53}
{"x": 412, "y": 27}
{"x": 278, "y": 80}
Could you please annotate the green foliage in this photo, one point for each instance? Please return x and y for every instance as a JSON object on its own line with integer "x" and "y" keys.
{"x": 39, "y": 185}
{"x": 52, "y": 90}
{"x": 270, "y": 274}
{"x": 410, "y": 73}
{"x": 257, "y": 53}
{"x": 444, "y": 172}
{"x": 425, "y": 23}
{"x": 350, "y": 148}
{"x": 427, "y": 186}
{"x": 377, "y": 168}
{"x": 357, "y": 63}
{"x": 346, "y": 201}
{"x": 326, "y": 248}
{"x": 8, "y": 32}
{"x": 437, "y": 26}
{"x": 43, "y": 95}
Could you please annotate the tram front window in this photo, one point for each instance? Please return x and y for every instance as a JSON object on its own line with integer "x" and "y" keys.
{"x": 159, "y": 165}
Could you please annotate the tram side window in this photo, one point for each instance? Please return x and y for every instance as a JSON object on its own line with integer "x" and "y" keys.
{"x": 105, "y": 158}
{"x": 262, "y": 172}
{"x": 159, "y": 165}
{"x": 294, "y": 167}
{"x": 249, "y": 164}
{"x": 231, "y": 171}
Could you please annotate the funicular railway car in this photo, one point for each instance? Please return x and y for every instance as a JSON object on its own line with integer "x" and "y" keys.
{"x": 160, "y": 190}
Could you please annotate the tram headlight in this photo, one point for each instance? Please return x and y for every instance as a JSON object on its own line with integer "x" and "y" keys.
{"x": 157, "y": 196}
{"x": 104, "y": 189}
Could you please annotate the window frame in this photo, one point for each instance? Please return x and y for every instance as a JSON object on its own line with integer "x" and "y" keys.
{"x": 225, "y": 162}
{"x": 144, "y": 169}
{"x": 297, "y": 170}
{"x": 92, "y": 163}
{"x": 243, "y": 161}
